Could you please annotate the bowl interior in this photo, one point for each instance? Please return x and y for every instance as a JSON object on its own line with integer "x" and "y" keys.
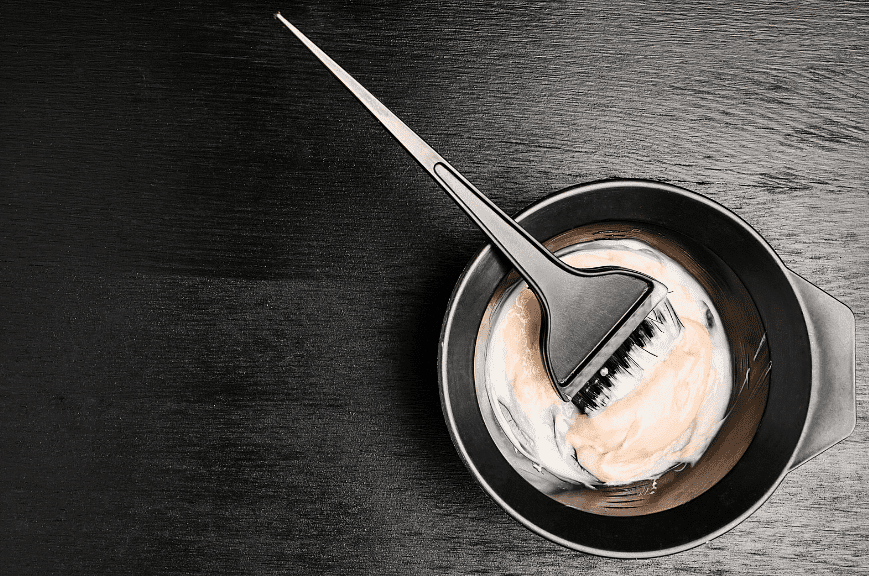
{"x": 749, "y": 357}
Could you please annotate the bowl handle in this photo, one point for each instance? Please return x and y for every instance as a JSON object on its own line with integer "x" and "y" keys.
{"x": 832, "y": 412}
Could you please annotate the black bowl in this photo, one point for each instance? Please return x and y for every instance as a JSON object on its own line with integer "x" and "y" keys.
{"x": 768, "y": 446}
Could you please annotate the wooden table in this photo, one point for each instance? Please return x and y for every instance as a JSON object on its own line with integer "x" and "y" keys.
{"x": 223, "y": 283}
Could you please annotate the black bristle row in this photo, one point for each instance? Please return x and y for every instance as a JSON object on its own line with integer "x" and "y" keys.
{"x": 594, "y": 394}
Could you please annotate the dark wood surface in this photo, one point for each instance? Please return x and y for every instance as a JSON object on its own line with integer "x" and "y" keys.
{"x": 222, "y": 282}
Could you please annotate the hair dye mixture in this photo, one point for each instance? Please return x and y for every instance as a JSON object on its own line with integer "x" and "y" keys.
{"x": 669, "y": 417}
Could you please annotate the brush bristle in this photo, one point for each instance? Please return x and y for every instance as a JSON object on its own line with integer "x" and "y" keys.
{"x": 653, "y": 338}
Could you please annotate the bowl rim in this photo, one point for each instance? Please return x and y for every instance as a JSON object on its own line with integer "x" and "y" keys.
{"x": 498, "y": 493}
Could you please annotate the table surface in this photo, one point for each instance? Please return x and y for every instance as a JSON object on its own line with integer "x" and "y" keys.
{"x": 223, "y": 282}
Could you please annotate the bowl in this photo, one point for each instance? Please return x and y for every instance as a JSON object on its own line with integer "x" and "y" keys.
{"x": 793, "y": 354}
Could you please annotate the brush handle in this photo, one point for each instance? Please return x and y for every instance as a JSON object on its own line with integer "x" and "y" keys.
{"x": 586, "y": 330}
{"x": 533, "y": 261}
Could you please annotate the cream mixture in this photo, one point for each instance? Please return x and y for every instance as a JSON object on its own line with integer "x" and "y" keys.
{"x": 670, "y": 417}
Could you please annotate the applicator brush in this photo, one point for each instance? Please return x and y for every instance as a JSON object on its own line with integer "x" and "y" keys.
{"x": 594, "y": 321}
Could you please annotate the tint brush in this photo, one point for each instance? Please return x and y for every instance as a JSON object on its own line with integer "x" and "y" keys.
{"x": 653, "y": 339}
{"x": 599, "y": 326}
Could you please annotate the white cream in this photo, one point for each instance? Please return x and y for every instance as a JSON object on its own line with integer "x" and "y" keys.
{"x": 670, "y": 417}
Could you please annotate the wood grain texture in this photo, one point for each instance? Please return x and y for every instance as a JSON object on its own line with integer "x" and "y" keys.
{"x": 222, "y": 282}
